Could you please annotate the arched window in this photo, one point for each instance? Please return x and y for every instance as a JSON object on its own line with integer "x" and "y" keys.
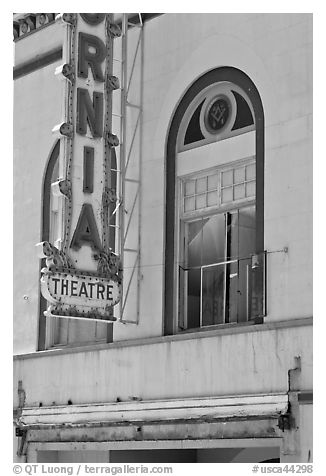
{"x": 215, "y": 204}
{"x": 57, "y": 331}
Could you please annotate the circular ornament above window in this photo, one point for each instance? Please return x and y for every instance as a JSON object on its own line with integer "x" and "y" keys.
{"x": 218, "y": 112}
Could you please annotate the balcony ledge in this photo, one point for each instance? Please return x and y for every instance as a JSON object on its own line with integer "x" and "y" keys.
{"x": 199, "y": 334}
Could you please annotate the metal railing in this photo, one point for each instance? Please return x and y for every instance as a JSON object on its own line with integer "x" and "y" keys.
{"x": 230, "y": 291}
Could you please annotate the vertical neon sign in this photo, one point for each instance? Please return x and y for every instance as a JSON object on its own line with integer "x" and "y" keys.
{"x": 85, "y": 187}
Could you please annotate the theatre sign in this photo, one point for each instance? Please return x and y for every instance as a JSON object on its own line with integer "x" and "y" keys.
{"x": 82, "y": 278}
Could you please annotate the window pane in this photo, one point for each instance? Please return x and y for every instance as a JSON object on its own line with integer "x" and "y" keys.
{"x": 237, "y": 291}
{"x": 250, "y": 172}
{"x": 189, "y": 204}
{"x": 212, "y": 182}
{"x": 190, "y": 187}
{"x": 205, "y": 244}
{"x": 247, "y": 231}
{"x": 212, "y": 198}
{"x": 194, "y": 243}
{"x": 242, "y": 245}
{"x": 257, "y": 277}
{"x": 232, "y": 292}
{"x": 250, "y": 189}
{"x": 227, "y": 195}
{"x": 242, "y": 233}
{"x": 54, "y": 202}
{"x": 193, "y": 298}
{"x": 239, "y": 175}
{"x": 193, "y": 258}
{"x": 201, "y": 185}
{"x": 200, "y": 201}
{"x": 213, "y": 295}
{"x": 239, "y": 191}
{"x": 54, "y": 207}
{"x": 213, "y": 240}
{"x": 53, "y": 227}
{"x": 227, "y": 178}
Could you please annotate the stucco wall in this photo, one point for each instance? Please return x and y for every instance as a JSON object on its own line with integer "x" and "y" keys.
{"x": 306, "y": 438}
{"x": 249, "y": 362}
{"x": 32, "y": 46}
{"x": 37, "y": 110}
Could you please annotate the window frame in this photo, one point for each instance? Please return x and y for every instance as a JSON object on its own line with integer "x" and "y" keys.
{"x": 183, "y": 218}
{"x": 241, "y": 79}
{"x": 207, "y": 172}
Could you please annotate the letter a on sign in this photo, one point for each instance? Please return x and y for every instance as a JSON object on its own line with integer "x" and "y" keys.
{"x": 86, "y": 232}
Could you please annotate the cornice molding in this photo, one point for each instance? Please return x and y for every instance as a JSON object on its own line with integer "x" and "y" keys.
{"x": 261, "y": 407}
{"x": 198, "y": 334}
{"x": 27, "y": 23}
{"x": 39, "y": 62}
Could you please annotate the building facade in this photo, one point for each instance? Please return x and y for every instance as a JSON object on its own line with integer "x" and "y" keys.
{"x": 204, "y": 196}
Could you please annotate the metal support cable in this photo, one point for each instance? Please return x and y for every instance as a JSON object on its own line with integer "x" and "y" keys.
{"x": 123, "y": 106}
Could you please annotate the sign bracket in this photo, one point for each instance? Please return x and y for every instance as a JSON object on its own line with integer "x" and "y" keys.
{"x": 49, "y": 314}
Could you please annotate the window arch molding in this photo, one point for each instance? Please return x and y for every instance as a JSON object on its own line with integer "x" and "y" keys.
{"x": 242, "y": 80}
{"x": 45, "y": 231}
